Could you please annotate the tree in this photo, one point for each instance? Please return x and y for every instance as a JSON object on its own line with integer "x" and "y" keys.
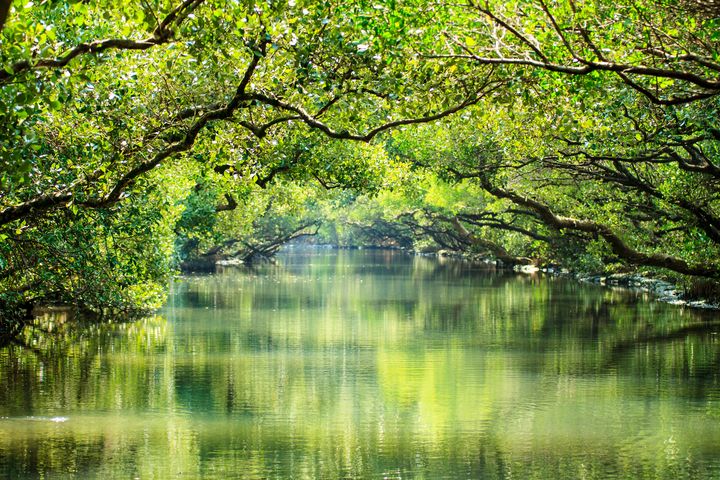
{"x": 562, "y": 193}
{"x": 617, "y": 133}
{"x": 4, "y": 10}
{"x": 264, "y": 221}
{"x": 579, "y": 133}
{"x": 95, "y": 98}
{"x": 666, "y": 52}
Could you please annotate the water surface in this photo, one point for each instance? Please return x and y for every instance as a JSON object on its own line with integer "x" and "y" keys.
{"x": 369, "y": 365}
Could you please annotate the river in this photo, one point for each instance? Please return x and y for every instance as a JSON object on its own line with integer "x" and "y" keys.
{"x": 369, "y": 364}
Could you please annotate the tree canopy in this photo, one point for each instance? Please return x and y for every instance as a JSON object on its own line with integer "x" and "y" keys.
{"x": 139, "y": 136}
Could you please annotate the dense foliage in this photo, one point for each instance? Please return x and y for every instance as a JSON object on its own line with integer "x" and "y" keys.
{"x": 136, "y": 137}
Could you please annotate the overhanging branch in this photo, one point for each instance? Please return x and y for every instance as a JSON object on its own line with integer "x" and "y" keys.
{"x": 313, "y": 121}
{"x": 618, "y": 246}
{"x": 46, "y": 202}
{"x": 162, "y": 34}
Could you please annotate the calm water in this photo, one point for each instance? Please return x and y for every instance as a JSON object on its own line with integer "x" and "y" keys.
{"x": 369, "y": 365}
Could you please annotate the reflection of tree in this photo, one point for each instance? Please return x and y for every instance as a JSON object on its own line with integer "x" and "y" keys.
{"x": 352, "y": 365}
{"x": 651, "y": 337}
{"x": 688, "y": 354}
{"x": 71, "y": 363}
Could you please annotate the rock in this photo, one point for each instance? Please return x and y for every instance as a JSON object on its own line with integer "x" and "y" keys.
{"x": 662, "y": 291}
{"x": 229, "y": 262}
{"x": 703, "y": 304}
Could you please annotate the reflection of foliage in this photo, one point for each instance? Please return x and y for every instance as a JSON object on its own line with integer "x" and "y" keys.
{"x": 436, "y": 361}
{"x": 58, "y": 354}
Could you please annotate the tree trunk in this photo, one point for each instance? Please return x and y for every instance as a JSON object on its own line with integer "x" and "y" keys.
{"x": 4, "y": 10}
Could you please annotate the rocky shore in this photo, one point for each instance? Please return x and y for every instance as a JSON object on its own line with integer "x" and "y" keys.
{"x": 663, "y": 291}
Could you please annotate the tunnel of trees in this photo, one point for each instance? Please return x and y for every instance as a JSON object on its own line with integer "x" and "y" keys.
{"x": 137, "y": 137}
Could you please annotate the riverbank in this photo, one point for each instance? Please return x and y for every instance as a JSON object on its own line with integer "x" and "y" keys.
{"x": 661, "y": 291}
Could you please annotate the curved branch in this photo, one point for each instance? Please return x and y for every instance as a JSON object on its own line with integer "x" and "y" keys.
{"x": 654, "y": 99}
{"x": 590, "y": 66}
{"x": 263, "y": 181}
{"x": 261, "y": 130}
{"x": 708, "y": 85}
{"x": 516, "y": 33}
{"x": 445, "y": 237}
{"x": 46, "y": 202}
{"x": 499, "y": 224}
{"x": 231, "y": 204}
{"x": 619, "y": 247}
{"x": 690, "y": 58}
{"x": 313, "y": 122}
{"x": 162, "y": 34}
{"x": 620, "y": 174}
{"x": 268, "y": 248}
{"x": 498, "y": 250}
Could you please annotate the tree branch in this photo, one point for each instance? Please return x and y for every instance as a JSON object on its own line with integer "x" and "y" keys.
{"x": 46, "y": 202}
{"x": 313, "y": 122}
{"x": 496, "y": 249}
{"x": 231, "y": 204}
{"x": 618, "y": 246}
{"x": 162, "y": 34}
{"x": 708, "y": 86}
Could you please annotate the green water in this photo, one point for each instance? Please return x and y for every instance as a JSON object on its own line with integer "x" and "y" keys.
{"x": 369, "y": 365}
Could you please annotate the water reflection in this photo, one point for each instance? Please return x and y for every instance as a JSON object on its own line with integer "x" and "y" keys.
{"x": 369, "y": 364}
